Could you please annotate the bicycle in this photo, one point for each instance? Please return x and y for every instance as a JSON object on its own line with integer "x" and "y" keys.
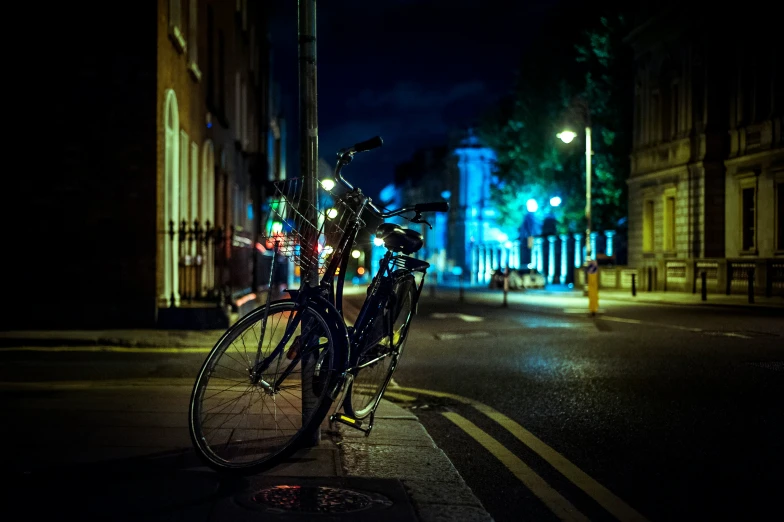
{"x": 316, "y": 360}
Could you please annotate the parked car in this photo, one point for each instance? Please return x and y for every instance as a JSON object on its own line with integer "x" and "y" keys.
{"x": 518, "y": 279}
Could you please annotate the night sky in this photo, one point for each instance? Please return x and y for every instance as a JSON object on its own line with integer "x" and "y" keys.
{"x": 403, "y": 69}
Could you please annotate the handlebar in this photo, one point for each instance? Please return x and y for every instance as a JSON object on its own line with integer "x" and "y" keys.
{"x": 344, "y": 158}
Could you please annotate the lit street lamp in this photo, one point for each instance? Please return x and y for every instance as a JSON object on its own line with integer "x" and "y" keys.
{"x": 568, "y": 136}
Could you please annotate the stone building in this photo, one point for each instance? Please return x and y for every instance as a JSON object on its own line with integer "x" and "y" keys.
{"x": 162, "y": 133}
{"x": 706, "y": 188}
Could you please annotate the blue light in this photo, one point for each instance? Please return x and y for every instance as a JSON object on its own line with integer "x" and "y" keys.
{"x": 555, "y": 201}
{"x": 446, "y": 194}
{"x": 209, "y": 124}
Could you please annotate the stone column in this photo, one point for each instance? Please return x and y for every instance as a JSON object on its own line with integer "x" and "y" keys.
{"x": 551, "y": 259}
{"x": 578, "y": 250}
{"x": 539, "y": 247}
{"x": 609, "y": 250}
{"x": 564, "y": 257}
{"x": 594, "y": 235}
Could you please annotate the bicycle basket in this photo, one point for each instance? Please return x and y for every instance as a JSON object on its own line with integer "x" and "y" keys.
{"x": 300, "y": 231}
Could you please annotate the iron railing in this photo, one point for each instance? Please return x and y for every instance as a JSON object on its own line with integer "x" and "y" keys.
{"x": 212, "y": 262}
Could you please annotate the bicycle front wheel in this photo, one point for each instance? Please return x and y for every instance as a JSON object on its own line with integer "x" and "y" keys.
{"x": 251, "y": 403}
{"x": 377, "y": 362}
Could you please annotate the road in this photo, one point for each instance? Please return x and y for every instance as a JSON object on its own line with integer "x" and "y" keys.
{"x": 645, "y": 412}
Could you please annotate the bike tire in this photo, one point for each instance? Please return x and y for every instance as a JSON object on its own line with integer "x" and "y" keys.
{"x": 264, "y": 427}
{"x": 370, "y": 382}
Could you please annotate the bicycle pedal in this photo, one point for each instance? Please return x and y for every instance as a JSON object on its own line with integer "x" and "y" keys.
{"x": 348, "y": 421}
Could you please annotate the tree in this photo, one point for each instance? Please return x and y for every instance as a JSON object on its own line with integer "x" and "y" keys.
{"x": 531, "y": 162}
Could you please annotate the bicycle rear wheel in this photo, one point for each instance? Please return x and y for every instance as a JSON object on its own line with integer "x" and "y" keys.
{"x": 242, "y": 426}
{"x": 378, "y": 361}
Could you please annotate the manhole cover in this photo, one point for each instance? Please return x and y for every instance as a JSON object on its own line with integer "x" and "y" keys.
{"x": 315, "y": 499}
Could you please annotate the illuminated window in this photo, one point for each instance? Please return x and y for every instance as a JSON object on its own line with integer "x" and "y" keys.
{"x": 185, "y": 174}
{"x": 175, "y": 24}
{"x": 748, "y": 217}
{"x": 669, "y": 221}
{"x": 647, "y": 226}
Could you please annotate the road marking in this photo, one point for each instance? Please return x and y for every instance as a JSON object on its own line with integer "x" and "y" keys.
{"x": 622, "y": 320}
{"x": 449, "y": 336}
{"x": 675, "y": 327}
{"x": 462, "y": 317}
{"x": 108, "y": 349}
{"x": 399, "y": 396}
{"x": 562, "y": 508}
{"x": 603, "y": 496}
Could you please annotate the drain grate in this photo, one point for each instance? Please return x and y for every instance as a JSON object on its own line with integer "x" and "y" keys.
{"x": 314, "y": 499}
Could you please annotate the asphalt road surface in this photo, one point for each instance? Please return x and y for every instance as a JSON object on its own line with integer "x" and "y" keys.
{"x": 645, "y": 412}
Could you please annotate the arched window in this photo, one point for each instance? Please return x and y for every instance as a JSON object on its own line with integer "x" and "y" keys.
{"x": 207, "y": 211}
{"x": 169, "y": 289}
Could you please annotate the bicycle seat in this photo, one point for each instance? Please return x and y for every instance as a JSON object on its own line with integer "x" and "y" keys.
{"x": 399, "y": 239}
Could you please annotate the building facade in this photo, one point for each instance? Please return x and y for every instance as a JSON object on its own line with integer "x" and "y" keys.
{"x": 707, "y": 166}
{"x": 165, "y": 133}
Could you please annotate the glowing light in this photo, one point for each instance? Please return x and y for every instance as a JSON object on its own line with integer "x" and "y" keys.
{"x": 555, "y": 201}
{"x": 508, "y": 244}
{"x": 355, "y": 254}
{"x": 566, "y": 136}
{"x": 378, "y": 241}
{"x": 531, "y": 205}
{"x": 332, "y": 213}
{"x": 277, "y": 226}
{"x": 327, "y": 250}
{"x": 446, "y": 194}
{"x": 502, "y": 237}
{"x": 457, "y": 270}
{"x": 530, "y": 265}
{"x": 361, "y": 270}
{"x": 328, "y": 184}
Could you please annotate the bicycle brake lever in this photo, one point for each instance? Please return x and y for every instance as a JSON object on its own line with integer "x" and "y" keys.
{"x": 418, "y": 219}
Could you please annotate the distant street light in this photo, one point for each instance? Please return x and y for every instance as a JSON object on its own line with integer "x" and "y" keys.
{"x": 568, "y": 136}
{"x": 555, "y": 201}
{"x": 355, "y": 254}
{"x": 531, "y": 205}
{"x": 328, "y": 184}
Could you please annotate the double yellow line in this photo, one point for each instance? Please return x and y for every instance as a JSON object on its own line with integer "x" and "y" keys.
{"x": 559, "y": 505}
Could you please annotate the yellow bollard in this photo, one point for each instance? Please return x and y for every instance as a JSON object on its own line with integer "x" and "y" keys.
{"x": 593, "y": 286}
{"x": 593, "y": 293}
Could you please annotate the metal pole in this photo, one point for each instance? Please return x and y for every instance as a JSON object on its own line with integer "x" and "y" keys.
{"x": 634, "y": 285}
{"x": 308, "y": 155}
{"x": 588, "y": 253}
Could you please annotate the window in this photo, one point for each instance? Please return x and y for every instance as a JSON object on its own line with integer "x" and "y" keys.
{"x": 193, "y": 40}
{"x": 184, "y": 177}
{"x": 780, "y": 216}
{"x": 175, "y": 24}
{"x": 669, "y": 221}
{"x": 748, "y": 217}
{"x": 647, "y": 227}
{"x": 193, "y": 186}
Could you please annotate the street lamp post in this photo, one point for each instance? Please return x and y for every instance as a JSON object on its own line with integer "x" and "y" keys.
{"x": 567, "y": 136}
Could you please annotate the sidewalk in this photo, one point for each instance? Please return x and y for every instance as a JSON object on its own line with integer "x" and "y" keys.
{"x": 395, "y": 474}
{"x": 563, "y": 294}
